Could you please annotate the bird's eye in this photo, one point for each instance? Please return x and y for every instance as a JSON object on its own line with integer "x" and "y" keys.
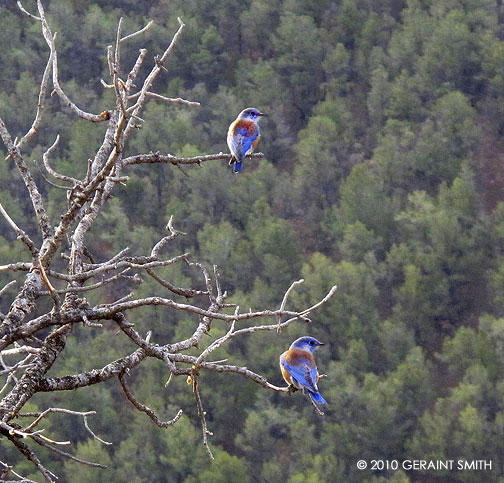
{"x": 312, "y": 342}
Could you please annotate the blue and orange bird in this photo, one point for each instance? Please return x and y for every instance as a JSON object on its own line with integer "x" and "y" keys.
{"x": 299, "y": 369}
{"x": 243, "y": 136}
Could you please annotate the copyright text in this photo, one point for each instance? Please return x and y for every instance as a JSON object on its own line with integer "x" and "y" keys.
{"x": 426, "y": 465}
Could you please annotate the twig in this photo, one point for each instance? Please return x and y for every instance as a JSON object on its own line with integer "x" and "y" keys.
{"x": 110, "y": 60}
{"x": 52, "y": 172}
{"x": 135, "y": 109}
{"x": 25, "y": 349}
{"x": 134, "y": 71}
{"x": 51, "y": 441}
{"x": 20, "y": 233}
{"x": 67, "y": 455}
{"x": 42, "y": 94}
{"x": 111, "y": 309}
{"x": 49, "y": 37}
{"x": 116, "y": 65}
{"x": 220, "y": 294}
{"x": 86, "y": 323}
{"x": 9, "y": 469}
{"x": 208, "y": 280}
{"x": 117, "y": 51}
{"x": 66, "y": 411}
{"x": 31, "y": 456}
{"x": 117, "y": 179}
{"x": 34, "y": 17}
{"x": 138, "y": 32}
{"x": 141, "y": 407}
{"x": 17, "y": 432}
{"x": 284, "y": 300}
{"x": 218, "y": 343}
{"x": 173, "y": 100}
{"x": 120, "y": 300}
{"x": 186, "y": 292}
{"x": 48, "y": 181}
{"x": 201, "y": 413}
{"x": 19, "y": 364}
{"x": 323, "y": 301}
{"x": 31, "y": 186}
{"x": 7, "y": 286}
{"x": 43, "y": 275}
{"x": 18, "y": 266}
{"x": 43, "y": 414}
{"x": 166, "y": 239}
{"x": 175, "y": 160}
{"x": 107, "y": 86}
{"x": 126, "y": 263}
{"x": 114, "y": 259}
{"x": 10, "y": 377}
{"x": 88, "y": 288}
{"x": 92, "y": 432}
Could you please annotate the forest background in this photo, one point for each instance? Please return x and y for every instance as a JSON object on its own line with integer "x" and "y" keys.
{"x": 383, "y": 174}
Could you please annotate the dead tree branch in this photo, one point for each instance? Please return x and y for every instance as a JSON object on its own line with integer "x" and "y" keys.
{"x": 34, "y": 333}
{"x": 141, "y": 407}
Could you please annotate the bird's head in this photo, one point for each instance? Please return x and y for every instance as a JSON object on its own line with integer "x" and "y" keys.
{"x": 251, "y": 114}
{"x": 306, "y": 343}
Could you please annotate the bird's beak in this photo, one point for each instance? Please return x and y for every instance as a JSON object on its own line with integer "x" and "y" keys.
{"x": 262, "y": 114}
{"x": 321, "y": 343}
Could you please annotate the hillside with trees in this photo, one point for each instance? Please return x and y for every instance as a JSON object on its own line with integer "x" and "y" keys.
{"x": 382, "y": 174}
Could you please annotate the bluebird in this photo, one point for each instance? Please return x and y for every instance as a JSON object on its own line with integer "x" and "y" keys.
{"x": 299, "y": 369}
{"x": 243, "y": 136}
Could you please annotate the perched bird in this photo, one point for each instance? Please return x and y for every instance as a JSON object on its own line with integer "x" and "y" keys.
{"x": 243, "y": 136}
{"x": 299, "y": 369}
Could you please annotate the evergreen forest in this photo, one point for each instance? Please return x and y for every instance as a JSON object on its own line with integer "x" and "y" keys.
{"x": 382, "y": 173}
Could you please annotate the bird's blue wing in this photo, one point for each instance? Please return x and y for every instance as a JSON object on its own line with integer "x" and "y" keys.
{"x": 303, "y": 375}
{"x": 247, "y": 143}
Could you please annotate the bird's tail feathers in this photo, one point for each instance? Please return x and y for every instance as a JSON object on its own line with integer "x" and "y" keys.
{"x": 237, "y": 166}
{"x": 317, "y": 398}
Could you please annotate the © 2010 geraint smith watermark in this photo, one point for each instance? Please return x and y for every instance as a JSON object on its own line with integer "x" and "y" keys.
{"x": 426, "y": 465}
{"x": 459, "y": 465}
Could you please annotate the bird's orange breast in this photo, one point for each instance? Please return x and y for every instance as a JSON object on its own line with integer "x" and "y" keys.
{"x": 245, "y": 128}
{"x": 285, "y": 374}
{"x": 295, "y": 357}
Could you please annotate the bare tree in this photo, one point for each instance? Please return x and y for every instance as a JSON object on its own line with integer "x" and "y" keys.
{"x": 31, "y": 341}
